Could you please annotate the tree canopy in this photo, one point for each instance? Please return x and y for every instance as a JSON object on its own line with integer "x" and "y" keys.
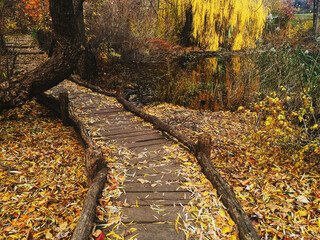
{"x": 228, "y": 23}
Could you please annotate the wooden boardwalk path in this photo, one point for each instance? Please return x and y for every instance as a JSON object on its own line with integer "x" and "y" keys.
{"x": 151, "y": 181}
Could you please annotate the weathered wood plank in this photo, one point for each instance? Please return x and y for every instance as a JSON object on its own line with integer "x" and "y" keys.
{"x": 152, "y": 169}
{"x": 161, "y": 177}
{"x": 146, "y": 143}
{"x": 162, "y": 198}
{"x": 147, "y": 231}
{"x": 135, "y": 134}
{"x": 138, "y": 187}
{"x": 153, "y": 214}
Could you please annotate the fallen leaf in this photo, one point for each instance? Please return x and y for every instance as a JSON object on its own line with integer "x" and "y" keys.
{"x": 143, "y": 181}
{"x": 302, "y": 199}
{"x": 238, "y": 189}
{"x": 97, "y": 233}
{"x": 49, "y": 235}
{"x": 101, "y": 236}
{"x": 226, "y": 229}
{"x": 271, "y": 206}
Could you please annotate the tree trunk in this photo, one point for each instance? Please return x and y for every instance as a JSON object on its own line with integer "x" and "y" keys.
{"x": 87, "y": 65}
{"x": 68, "y": 27}
{"x": 185, "y": 37}
{"x": 315, "y": 17}
{"x": 3, "y": 48}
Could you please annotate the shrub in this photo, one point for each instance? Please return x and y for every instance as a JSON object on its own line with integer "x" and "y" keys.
{"x": 287, "y": 110}
{"x": 284, "y": 134}
{"x": 119, "y": 25}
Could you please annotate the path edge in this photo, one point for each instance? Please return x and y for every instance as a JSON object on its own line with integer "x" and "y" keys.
{"x": 97, "y": 171}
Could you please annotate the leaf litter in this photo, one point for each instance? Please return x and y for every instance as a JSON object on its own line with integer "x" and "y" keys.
{"x": 281, "y": 196}
{"x": 281, "y": 199}
{"x": 42, "y": 197}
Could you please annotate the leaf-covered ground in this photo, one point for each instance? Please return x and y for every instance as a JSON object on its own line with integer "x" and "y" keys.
{"x": 42, "y": 175}
{"x": 282, "y": 197}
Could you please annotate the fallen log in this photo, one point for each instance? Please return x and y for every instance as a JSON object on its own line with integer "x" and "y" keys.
{"x": 95, "y": 164}
{"x": 94, "y": 154}
{"x": 80, "y": 128}
{"x": 64, "y": 105}
{"x": 238, "y": 215}
{"x": 88, "y": 213}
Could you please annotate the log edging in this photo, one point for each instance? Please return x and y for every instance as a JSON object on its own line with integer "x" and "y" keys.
{"x": 95, "y": 164}
{"x": 202, "y": 152}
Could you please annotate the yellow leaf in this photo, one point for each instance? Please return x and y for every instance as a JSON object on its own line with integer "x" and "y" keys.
{"x": 133, "y": 236}
{"x": 231, "y": 223}
{"x": 271, "y": 206}
{"x": 303, "y": 213}
{"x": 63, "y": 225}
{"x": 31, "y": 209}
{"x": 240, "y": 108}
{"x": 188, "y": 163}
{"x": 49, "y": 235}
{"x": 233, "y": 237}
{"x": 222, "y": 213}
{"x": 226, "y": 230}
{"x": 14, "y": 236}
{"x": 314, "y": 127}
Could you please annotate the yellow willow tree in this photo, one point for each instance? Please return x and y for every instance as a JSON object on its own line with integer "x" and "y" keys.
{"x": 233, "y": 24}
{"x": 215, "y": 24}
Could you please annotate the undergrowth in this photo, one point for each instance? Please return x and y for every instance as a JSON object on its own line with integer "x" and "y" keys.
{"x": 287, "y": 105}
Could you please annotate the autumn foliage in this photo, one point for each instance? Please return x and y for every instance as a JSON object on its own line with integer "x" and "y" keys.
{"x": 36, "y": 10}
{"x": 42, "y": 175}
{"x": 231, "y": 24}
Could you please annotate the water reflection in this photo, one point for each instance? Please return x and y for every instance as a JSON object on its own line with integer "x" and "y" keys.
{"x": 220, "y": 83}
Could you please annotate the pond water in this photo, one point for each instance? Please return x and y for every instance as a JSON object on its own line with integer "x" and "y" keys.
{"x": 219, "y": 83}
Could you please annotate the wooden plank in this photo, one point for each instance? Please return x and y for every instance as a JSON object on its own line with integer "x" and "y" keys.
{"x": 125, "y": 129}
{"x": 151, "y": 170}
{"x": 104, "y": 112}
{"x": 162, "y": 198}
{"x": 112, "y": 119}
{"x": 146, "y": 143}
{"x": 152, "y": 214}
{"x": 139, "y": 187}
{"x": 149, "y": 148}
{"x": 151, "y": 161}
{"x": 138, "y": 139}
{"x": 131, "y": 134}
{"x": 152, "y": 202}
{"x": 163, "y": 177}
{"x": 128, "y": 126}
{"x": 149, "y": 231}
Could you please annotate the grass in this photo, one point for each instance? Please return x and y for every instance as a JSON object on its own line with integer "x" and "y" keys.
{"x": 304, "y": 16}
